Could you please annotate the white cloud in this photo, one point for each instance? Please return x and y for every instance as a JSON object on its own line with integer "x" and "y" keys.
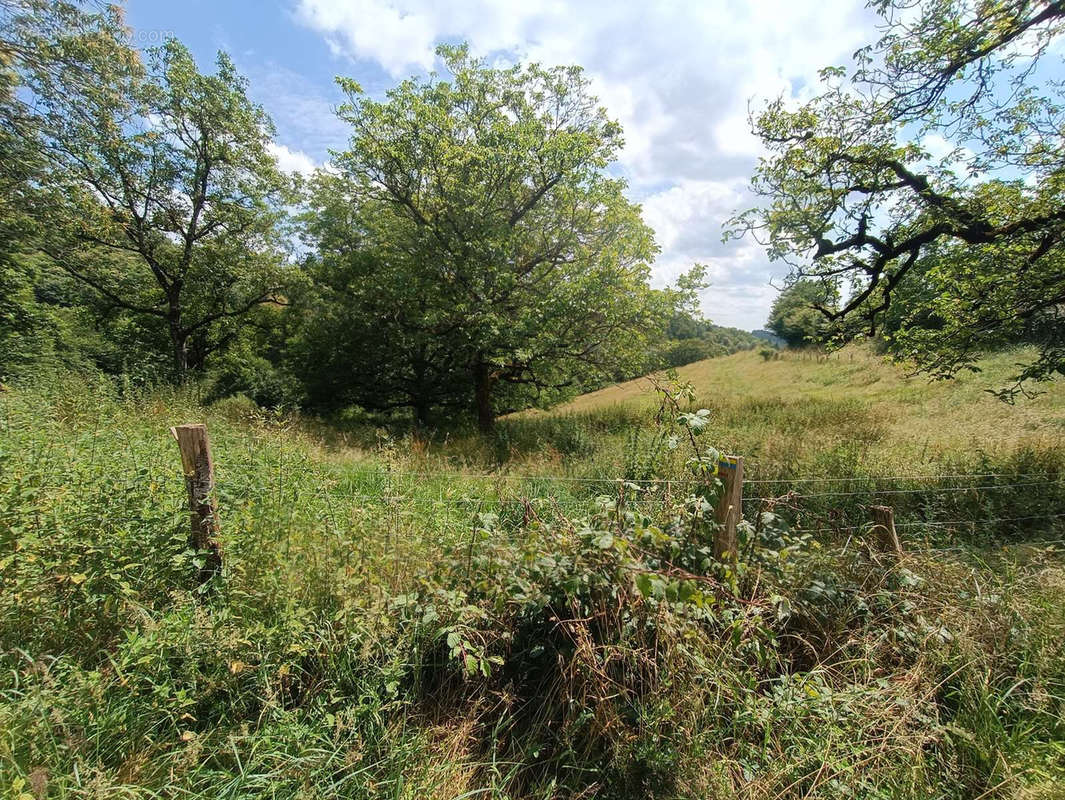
{"x": 399, "y": 40}
{"x": 291, "y": 160}
{"x": 687, "y": 220}
{"x": 303, "y": 111}
{"x": 680, "y": 213}
{"x": 677, "y": 74}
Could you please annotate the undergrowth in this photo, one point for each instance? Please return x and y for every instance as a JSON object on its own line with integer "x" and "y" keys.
{"x": 390, "y": 623}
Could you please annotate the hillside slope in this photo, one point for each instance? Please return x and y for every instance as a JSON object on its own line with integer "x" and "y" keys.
{"x": 911, "y": 409}
{"x": 423, "y": 620}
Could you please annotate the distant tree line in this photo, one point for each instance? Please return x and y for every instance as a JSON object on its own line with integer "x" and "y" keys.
{"x": 690, "y": 338}
{"x": 471, "y": 252}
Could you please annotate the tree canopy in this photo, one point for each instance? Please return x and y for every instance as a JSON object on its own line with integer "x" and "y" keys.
{"x": 795, "y": 317}
{"x": 481, "y": 253}
{"x": 153, "y": 185}
{"x": 933, "y": 172}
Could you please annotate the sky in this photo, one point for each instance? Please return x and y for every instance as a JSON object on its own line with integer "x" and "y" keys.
{"x": 679, "y": 76}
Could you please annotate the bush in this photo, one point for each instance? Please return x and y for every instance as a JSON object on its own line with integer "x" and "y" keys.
{"x": 380, "y": 629}
{"x": 240, "y": 371}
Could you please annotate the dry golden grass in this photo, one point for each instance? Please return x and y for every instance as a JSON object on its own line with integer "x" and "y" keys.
{"x": 913, "y": 412}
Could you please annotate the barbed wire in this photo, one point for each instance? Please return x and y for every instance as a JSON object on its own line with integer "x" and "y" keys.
{"x": 501, "y": 476}
{"x": 1057, "y": 477}
{"x": 931, "y": 523}
{"x": 967, "y": 548}
{"x": 224, "y": 485}
{"x": 223, "y": 465}
{"x": 940, "y": 490}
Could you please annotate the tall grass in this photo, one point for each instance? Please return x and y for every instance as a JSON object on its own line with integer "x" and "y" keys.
{"x": 472, "y": 618}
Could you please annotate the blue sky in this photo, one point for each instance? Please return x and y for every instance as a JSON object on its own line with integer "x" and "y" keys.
{"x": 678, "y": 75}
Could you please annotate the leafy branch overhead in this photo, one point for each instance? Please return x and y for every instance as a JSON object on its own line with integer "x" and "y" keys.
{"x": 931, "y": 176}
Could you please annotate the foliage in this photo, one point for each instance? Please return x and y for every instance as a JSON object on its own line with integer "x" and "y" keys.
{"x": 478, "y": 210}
{"x": 937, "y": 162}
{"x": 689, "y": 338}
{"x": 538, "y": 613}
{"x": 369, "y": 638}
{"x": 154, "y": 187}
{"x": 797, "y": 315}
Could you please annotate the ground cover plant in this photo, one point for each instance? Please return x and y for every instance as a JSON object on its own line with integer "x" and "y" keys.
{"x": 448, "y": 568}
{"x": 462, "y": 617}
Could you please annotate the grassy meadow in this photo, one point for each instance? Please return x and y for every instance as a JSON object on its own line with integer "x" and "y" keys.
{"x": 907, "y": 419}
{"x": 536, "y": 613}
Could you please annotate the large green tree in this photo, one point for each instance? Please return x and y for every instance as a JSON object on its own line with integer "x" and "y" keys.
{"x": 34, "y": 34}
{"x": 798, "y": 313}
{"x": 935, "y": 172}
{"x": 157, "y": 192}
{"x": 368, "y": 334}
{"x": 489, "y": 252}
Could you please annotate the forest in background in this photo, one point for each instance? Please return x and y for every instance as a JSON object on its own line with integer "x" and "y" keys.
{"x": 468, "y": 255}
{"x": 472, "y": 252}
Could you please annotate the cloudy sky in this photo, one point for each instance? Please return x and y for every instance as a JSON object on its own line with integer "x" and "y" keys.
{"x": 678, "y": 75}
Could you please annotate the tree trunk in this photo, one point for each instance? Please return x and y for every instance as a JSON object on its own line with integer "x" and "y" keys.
{"x": 181, "y": 350}
{"x": 421, "y": 411}
{"x": 482, "y": 390}
{"x": 179, "y": 338}
{"x": 422, "y": 392}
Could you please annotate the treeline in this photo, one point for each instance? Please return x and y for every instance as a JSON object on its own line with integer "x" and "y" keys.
{"x": 689, "y": 339}
{"x": 468, "y": 254}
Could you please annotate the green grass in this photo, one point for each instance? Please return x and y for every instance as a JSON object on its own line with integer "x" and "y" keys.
{"x": 902, "y": 420}
{"x": 461, "y": 616}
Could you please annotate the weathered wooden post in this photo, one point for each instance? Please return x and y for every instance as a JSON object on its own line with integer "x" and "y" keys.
{"x": 198, "y": 468}
{"x": 729, "y": 509}
{"x": 884, "y": 528}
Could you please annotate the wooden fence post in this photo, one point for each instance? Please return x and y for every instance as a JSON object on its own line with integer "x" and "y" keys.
{"x": 884, "y": 528}
{"x": 198, "y": 468}
{"x": 729, "y": 509}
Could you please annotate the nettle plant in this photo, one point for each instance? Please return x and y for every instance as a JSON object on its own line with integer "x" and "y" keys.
{"x": 765, "y": 543}
{"x": 621, "y": 608}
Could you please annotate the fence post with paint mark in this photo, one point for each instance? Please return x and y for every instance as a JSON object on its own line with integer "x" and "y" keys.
{"x": 729, "y": 509}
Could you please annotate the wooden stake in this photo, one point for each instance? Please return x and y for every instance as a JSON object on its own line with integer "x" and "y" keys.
{"x": 884, "y": 528}
{"x": 729, "y": 509}
{"x": 198, "y": 468}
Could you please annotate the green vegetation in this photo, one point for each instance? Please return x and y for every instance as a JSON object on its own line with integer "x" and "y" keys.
{"x": 542, "y": 608}
{"x": 798, "y": 315}
{"x": 469, "y": 254}
{"x": 154, "y": 189}
{"x": 926, "y": 186}
{"x": 418, "y": 618}
{"x": 537, "y": 263}
{"x": 690, "y": 338}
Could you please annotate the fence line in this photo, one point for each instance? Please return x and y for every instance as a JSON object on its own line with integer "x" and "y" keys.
{"x": 391, "y": 495}
{"x": 223, "y": 465}
{"x": 160, "y": 482}
{"x": 934, "y": 523}
{"x": 933, "y": 490}
{"x": 626, "y": 501}
{"x": 693, "y": 481}
{"x": 1056, "y": 478}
